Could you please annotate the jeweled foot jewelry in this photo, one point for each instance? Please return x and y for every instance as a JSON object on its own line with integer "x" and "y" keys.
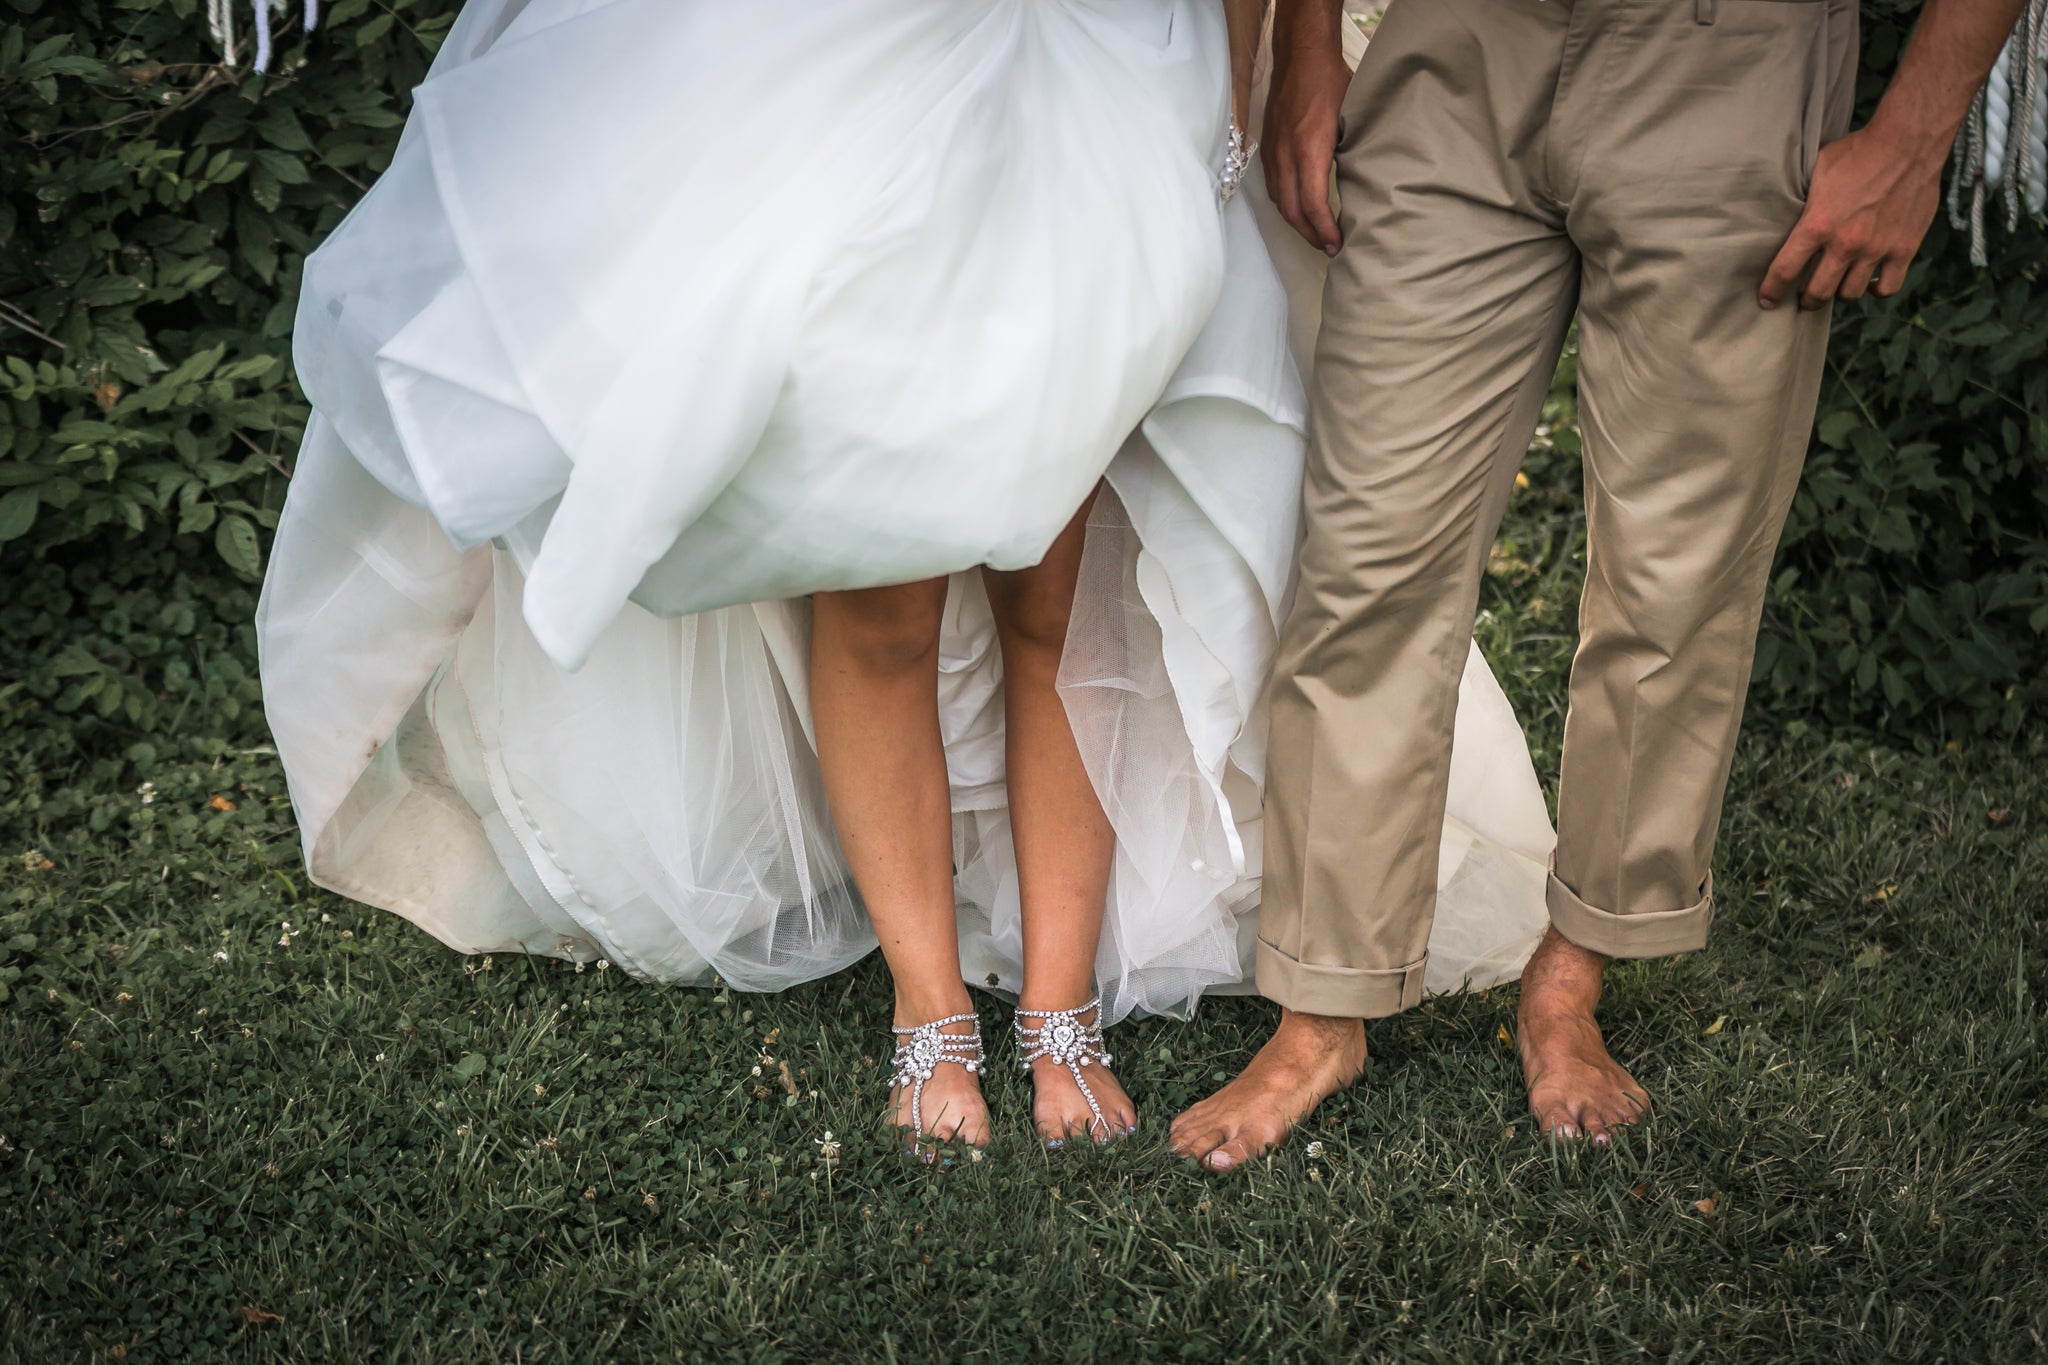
{"x": 925, "y": 1047}
{"x": 1235, "y": 162}
{"x": 1061, "y": 1036}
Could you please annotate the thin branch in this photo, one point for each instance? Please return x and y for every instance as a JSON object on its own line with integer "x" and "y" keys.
{"x": 14, "y": 317}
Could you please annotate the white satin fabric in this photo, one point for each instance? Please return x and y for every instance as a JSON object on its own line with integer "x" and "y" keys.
{"x": 669, "y": 312}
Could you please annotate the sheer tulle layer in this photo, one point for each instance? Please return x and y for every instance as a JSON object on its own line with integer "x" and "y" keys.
{"x": 577, "y": 408}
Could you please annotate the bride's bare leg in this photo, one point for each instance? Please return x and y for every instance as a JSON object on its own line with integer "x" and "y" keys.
{"x": 874, "y": 700}
{"x": 1064, "y": 841}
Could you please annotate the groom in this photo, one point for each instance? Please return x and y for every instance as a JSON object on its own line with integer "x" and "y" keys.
{"x": 1672, "y": 173}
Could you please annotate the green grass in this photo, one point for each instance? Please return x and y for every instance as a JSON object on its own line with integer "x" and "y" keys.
{"x": 405, "y": 1155}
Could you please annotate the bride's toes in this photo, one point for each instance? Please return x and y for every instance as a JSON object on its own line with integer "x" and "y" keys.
{"x": 953, "y": 1112}
{"x": 1061, "y": 1112}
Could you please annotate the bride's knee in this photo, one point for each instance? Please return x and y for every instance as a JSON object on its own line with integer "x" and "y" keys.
{"x": 1030, "y": 614}
{"x": 880, "y": 630}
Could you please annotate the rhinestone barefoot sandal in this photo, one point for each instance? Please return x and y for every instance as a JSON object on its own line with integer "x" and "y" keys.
{"x": 1061, "y": 1036}
{"x": 924, "y": 1047}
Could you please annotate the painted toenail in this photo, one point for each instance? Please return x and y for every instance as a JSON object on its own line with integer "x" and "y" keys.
{"x": 1055, "y": 1142}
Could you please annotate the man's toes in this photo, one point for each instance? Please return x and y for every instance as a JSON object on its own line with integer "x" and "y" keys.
{"x": 1229, "y": 1155}
{"x": 1558, "y": 1125}
{"x": 1621, "y": 1114}
{"x": 1196, "y": 1143}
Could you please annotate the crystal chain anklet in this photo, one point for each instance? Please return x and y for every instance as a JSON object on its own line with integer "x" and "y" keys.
{"x": 1061, "y": 1036}
{"x": 924, "y": 1048}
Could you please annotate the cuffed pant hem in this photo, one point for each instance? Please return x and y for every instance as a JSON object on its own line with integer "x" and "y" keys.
{"x": 1652, "y": 934}
{"x": 1338, "y": 992}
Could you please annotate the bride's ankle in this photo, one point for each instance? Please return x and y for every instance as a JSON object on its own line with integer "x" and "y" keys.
{"x": 912, "y": 1010}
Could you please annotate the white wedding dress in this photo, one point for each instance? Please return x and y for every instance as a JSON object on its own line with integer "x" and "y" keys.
{"x": 669, "y": 312}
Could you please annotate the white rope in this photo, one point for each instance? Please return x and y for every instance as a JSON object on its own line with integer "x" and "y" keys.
{"x": 262, "y": 62}
{"x": 2002, "y": 151}
{"x": 220, "y": 23}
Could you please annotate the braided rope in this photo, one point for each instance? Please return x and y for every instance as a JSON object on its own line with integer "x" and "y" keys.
{"x": 2002, "y": 150}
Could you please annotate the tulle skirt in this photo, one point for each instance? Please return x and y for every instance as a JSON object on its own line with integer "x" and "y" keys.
{"x": 671, "y": 312}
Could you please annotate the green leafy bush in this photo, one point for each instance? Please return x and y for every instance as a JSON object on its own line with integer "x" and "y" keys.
{"x": 1912, "y": 588}
{"x": 155, "y": 205}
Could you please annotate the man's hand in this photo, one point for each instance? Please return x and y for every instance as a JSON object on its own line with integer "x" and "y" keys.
{"x": 1874, "y": 192}
{"x": 1300, "y": 142}
{"x": 1870, "y": 205}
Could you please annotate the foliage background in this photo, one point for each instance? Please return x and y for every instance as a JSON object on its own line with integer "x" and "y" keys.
{"x": 157, "y": 206}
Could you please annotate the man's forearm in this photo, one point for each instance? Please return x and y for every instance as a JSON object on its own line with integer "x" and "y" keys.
{"x": 1952, "y": 49}
{"x": 1305, "y": 26}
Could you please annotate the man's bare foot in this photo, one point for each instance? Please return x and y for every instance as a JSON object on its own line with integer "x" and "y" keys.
{"x": 1575, "y": 1089}
{"x": 1309, "y": 1058}
{"x": 951, "y": 1103}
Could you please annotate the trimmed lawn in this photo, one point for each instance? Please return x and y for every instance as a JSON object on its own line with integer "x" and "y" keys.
{"x": 216, "y": 1144}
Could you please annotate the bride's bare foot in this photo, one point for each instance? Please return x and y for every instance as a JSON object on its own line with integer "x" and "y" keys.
{"x": 949, "y": 1106}
{"x": 1309, "y": 1058}
{"x": 1060, "y": 1112}
{"x": 1065, "y": 1050}
{"x": 1576, "y": 1091}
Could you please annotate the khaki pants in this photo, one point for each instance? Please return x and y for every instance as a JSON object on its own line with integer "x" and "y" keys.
{"x": 1505, "y": 165}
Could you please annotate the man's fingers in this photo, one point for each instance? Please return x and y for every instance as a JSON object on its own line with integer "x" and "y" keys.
{"x": 1784, "y": 273}
{"x": 1826, "y": 280}
{"x": 1314, "y": 188}
{"x": 1857, "y": 278}
{"x": 1893, "y": 277}
{"x": 1280, "y": 185}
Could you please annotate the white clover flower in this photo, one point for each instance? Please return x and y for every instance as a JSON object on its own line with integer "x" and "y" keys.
{"x": 220, "y": 957}
{"x": 603, "y": 965}
{"x": 1315, "y": 1151}
{"x": 380, "y": 1056}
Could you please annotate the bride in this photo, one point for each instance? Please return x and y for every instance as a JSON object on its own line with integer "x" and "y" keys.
{"x": 788, "y": 477}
